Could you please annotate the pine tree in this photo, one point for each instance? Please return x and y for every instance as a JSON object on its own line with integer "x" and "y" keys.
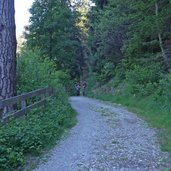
{"x": 53, "y": 30}
{"x": 7, "y": 49}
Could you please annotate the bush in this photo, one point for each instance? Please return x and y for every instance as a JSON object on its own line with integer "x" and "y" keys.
{"x": 163, "y": 93}
{"x": 31, "y": 134}
{"x": 107, "y": 72}
{"x": 143, "y": 80}
{"x": 35, "y": 71}
{"x": 41, "y": 128}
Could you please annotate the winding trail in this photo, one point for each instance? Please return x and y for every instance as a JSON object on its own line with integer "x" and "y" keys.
{"x": 106, "y": 138}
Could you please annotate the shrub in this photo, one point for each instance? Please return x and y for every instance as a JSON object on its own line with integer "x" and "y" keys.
{"x": 163, "y": 93}
{"x": 107, "y": 72}
{"x": 41, "y": 128}
{"x": 143, "y": 80}
{"x": 31, "y": 134}
{"x": 35, "y": 71}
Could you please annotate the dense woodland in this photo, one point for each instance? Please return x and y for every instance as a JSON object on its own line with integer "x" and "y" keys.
{"x": 121, "y": 48}
{"x": 128, "y": 35}
{"x": 130, "y": 43}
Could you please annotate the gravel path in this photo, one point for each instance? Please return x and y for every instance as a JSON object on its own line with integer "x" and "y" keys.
{"x": 106, "y": 138}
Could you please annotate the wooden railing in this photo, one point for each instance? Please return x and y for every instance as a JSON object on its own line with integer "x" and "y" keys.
{"x": 22, "y": 104}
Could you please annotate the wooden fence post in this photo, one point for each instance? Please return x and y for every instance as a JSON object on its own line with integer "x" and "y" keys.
{"x": 23, "y": 104}
{"x": 42, "y": 96}
{"x": 1, "y": 114}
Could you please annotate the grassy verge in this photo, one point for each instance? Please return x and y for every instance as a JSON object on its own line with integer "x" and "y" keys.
{"x": 154, "y": 113}
{"x": 32, "y": 134}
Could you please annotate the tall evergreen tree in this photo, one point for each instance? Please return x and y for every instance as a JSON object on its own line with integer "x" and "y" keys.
{"x": 108, "y": 33}
{"x": 53, "y": 30}
{"x": 7, "y": 49}
{"x": 134, "y": 31}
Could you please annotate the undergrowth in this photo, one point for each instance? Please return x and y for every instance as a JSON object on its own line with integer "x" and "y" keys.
{"x": 146, "y": 91}
{"x": 37, "y": 131}
{"x": 155, "y": 114}
{"x": 31, "y": 135}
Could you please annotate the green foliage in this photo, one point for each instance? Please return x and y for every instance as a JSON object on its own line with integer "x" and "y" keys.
{"x": 34, "y": 72}
{"x": 163, "y": 93}
{"x": 134, "y": 36}
{"x": 143, "y": 80}
{"x": 154, "y": 108}
{"x": 107, "y": 72}
{"x": 38, "y": 130}
{"x": 53, "y": 30}
{"x": 132, "y": 31}
{"x": 106, "y": 38}
{"x": 41, "y": 128}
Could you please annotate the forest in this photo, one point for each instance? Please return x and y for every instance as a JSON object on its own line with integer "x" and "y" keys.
{"x": 130, "y": 43}
{"x": 120, "y": 48}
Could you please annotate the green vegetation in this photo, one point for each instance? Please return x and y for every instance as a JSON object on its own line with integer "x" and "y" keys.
{"x": 152, "y": 111}
{"x": 130, "y": 46}
{"x": 48, "y": 58}
{"x": 148, "y": 95}
{"x": 122, "y": 48}
{"x": 37, "y": 131}
{"x": 54, "y": 32}
{"x": 34, "y": 72}
{"x": 41, "y": 128}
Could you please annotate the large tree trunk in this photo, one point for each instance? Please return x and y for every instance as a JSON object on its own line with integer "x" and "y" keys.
{"x": 7, "y": 49}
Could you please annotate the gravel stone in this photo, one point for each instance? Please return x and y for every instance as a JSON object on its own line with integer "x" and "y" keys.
{"x": 106, "y": 138}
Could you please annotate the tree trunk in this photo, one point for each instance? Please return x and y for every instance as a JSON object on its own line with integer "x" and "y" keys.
{"x": 7, "y": 49}
{"x": 159, "y": 35}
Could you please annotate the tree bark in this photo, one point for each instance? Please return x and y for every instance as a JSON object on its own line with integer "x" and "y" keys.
{"x": 7, "y": 49}
{"x": 159, "y": 35}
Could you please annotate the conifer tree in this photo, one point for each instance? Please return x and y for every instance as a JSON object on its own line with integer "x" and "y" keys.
{"x": 7, "y": 49}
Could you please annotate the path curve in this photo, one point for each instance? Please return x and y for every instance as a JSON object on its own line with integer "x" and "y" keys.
{"x": 106, "y": 138}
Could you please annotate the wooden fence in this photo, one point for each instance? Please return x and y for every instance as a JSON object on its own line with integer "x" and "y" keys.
{"x": 23, "y": 103}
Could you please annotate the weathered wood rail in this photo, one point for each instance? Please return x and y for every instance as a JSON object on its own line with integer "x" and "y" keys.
{"x": 21, "y": 101}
